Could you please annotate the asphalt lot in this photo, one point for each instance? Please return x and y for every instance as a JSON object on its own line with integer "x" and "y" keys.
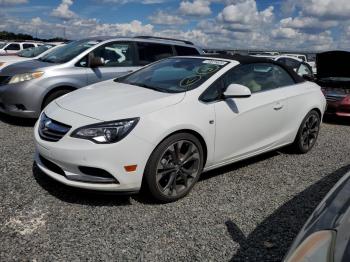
{"x": 249, "y": 211}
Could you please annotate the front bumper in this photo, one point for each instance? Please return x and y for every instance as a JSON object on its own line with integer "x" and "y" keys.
{"x": 20, "y": 99}
{"x": 69, "y": 154}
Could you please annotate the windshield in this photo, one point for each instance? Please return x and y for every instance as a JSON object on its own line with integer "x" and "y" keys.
{"x": 34, "y": 51}
{"x": 174, "y": 75}
{"x": 2, "y": 45}
{"x": 68, "y": 52}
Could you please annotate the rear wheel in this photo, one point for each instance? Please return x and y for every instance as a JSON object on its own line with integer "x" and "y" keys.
{"x": 174, "y": 167}
{"x": 308, "y": 133}
{"x": 54, "y": 96}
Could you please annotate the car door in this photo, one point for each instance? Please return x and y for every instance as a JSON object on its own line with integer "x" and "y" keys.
{"x": 118, "y": 59}
{"x": 247, "y": 126}
{"x": 12, "y": 48}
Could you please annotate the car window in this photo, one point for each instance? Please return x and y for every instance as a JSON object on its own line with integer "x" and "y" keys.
{"x": 174, "y": 75}
{"x": 116, "y": 54}
{"x": 27, "y": 46}
{"x": 304, "y": 70}
{"x": 289, "y": 62}
{"x": 184, "y": 50}
{"x": 13, "y": 47}
{"x": 213, "y": 92}
{"x": 151, "y": 52}
{"x": 69, "y": 51}
{"x": 259, "y": 77}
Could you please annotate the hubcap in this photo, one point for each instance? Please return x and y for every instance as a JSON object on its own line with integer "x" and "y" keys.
{"x": 310, "y": 132}
{"x": 178, "y": 168}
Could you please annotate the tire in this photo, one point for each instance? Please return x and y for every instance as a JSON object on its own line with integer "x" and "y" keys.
{"x": 167, "y": 175}
{"x": 54, "y": 96}
{"x": 307, "y": 133}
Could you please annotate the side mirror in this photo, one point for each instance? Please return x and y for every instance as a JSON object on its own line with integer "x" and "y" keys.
{"x": 95, "y": 61}
{"x": 237, "y": 91}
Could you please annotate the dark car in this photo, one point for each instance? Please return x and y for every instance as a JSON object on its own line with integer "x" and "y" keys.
{"x": 326, "y": 235}
{"x": 333, "y": 75}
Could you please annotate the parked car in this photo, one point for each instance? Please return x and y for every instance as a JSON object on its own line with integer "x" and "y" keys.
{"x": 164, "y": 124}
{"x": 309, "y": 59}
{"x": 301, "y": 68}
{"x": 334, "y": 78}
{"x": 26, "y": 54}
{"x": 325, "y": 237}
{"x": 27, "y": 87}
{"x": 10, "y": 48}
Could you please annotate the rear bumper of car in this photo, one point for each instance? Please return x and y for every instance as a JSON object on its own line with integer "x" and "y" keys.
{"x": 338, "y": 109}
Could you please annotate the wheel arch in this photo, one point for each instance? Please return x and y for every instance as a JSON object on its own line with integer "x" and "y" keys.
{"x": 197, "y": 135}
{"x": 55, "y": 89}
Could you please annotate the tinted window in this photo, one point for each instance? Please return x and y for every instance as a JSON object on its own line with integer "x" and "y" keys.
{"x": 116, "y": 54}
{"x": 27, "y": 46}
{"x": 151, "y": 52}
{"x": 183, "y": 50}
{"x": 14, "y": 47}
{"x": 259, "y": 77}
{"x": 213, "y": 92}
{"x": 289, "y": 62}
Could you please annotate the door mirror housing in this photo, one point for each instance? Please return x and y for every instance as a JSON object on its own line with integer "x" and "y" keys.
{"x": 237, "y": 91}
{"x": 95, "y": 61}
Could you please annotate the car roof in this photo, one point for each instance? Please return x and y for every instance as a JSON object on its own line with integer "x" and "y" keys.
{"x": 243, "y": 59}
{"x": 150, "y": 39}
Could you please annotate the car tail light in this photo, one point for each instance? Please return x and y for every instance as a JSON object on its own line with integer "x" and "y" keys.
{"x": 346, "y": 100}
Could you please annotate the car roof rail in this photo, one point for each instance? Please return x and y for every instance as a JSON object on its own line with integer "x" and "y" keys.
{"x": 164, "y": 38}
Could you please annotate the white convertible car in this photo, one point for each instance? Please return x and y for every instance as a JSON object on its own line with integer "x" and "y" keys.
{"x": 160, "y": 127}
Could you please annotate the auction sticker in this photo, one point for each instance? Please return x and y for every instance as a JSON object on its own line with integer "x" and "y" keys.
{"x": 215, "y": 62}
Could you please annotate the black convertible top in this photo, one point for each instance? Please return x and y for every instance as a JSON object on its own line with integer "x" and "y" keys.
{"x": 244, "y": 59}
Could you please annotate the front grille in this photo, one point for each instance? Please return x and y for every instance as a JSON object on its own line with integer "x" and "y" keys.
{"x": 51, "y": 166}
{"x": 334, "y": 98}
{"x": 51, "y": 130}
{"x": 4, "y": 80}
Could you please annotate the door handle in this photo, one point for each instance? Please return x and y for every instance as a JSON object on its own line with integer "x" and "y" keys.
{"x": 278, "y": 106}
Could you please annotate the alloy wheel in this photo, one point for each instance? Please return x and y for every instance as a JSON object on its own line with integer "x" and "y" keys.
{"x": 178, "y": 168}
{"x": 310, "y": 131}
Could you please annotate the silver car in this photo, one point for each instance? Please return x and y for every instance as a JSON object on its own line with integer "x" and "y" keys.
{"x": 27, "y": 87}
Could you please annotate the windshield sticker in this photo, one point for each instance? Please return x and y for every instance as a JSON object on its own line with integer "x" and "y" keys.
{"x": 190, "y": 80}
{"x": 215, "y": 62}
{"x": 207, "y": 69}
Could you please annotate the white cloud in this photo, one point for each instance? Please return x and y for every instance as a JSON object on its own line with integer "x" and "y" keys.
{"x": 195, "y": 8}
{"x": 307, "y": 23}
{"x": 244, "y": 15}
{"x": 13, "y": 2}
{"x": 163, "y": 18}
{"x": 62, "y": 11}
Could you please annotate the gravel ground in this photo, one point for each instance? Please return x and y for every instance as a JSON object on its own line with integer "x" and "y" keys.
{"x": 249, "y": 211}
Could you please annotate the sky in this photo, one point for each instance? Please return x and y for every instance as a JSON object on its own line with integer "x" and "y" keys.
{"x": 305, "y": 25}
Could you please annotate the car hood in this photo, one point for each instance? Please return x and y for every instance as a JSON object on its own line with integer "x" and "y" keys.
{"x": 333, "y": 64}
{"x": 24, "y": 67}
{"x": 108, "y": 100}
{"x": 6, "y": 59}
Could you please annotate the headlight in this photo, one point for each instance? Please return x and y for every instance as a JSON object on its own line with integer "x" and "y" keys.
{"x": 25, "y": 77}
{"x": 317, "y": 247}
{"x": 107, "y": 132}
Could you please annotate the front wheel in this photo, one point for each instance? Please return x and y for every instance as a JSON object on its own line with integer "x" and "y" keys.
{"x": 308, "y": 133}
{"x": 174, "y": 167}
